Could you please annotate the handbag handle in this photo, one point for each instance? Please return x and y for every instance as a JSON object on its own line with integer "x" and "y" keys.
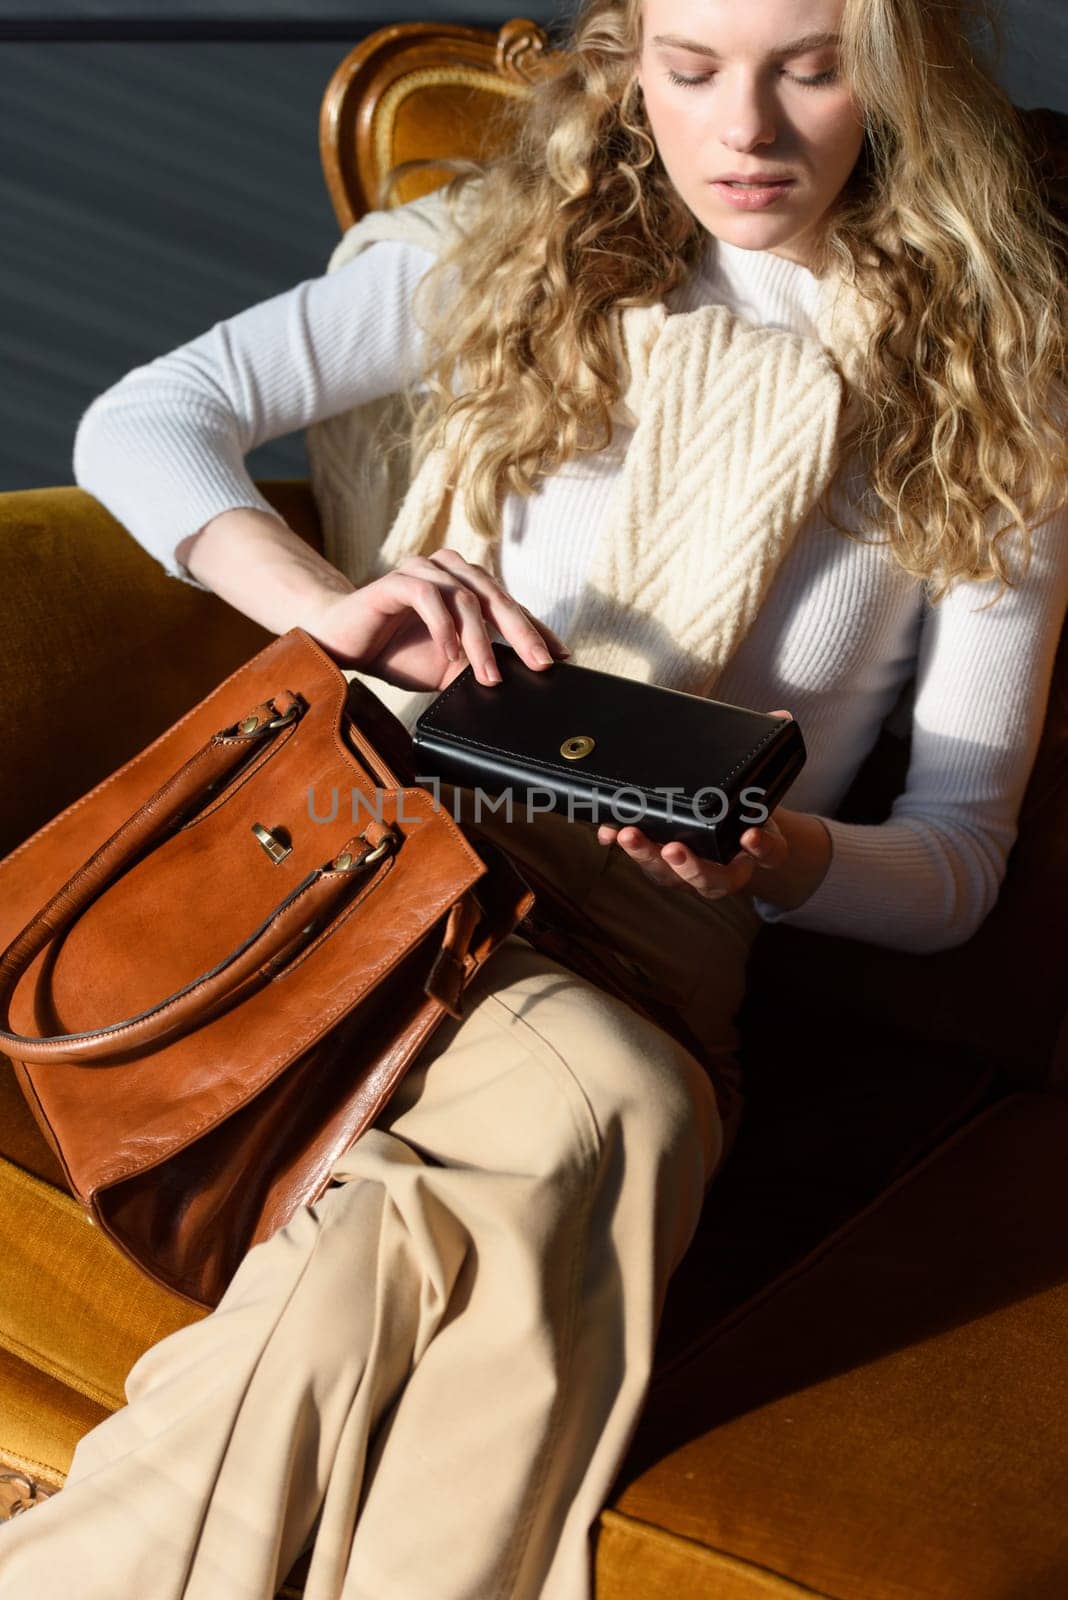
{"x": 266, "y": 950}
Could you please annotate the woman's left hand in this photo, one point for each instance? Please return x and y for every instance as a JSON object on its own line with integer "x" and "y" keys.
{"x": 676, "y": 866}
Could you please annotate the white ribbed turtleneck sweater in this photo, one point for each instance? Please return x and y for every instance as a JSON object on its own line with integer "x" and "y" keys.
{"x": 837, "y": 640}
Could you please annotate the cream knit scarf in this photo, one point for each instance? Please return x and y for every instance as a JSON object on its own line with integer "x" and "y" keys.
{"x": 736, "y": 431}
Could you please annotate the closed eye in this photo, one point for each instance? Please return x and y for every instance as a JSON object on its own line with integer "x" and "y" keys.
{"x": 817, "y": 82}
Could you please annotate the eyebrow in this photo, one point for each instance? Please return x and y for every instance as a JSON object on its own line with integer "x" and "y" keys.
{"x": 794, "y": 47}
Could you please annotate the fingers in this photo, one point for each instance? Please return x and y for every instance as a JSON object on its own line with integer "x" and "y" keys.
{"x": 474, "y": 635}
{"x": 451, "y": 612}
{"x": 459, "y": 602}
{"x": 397, "y": 592}
{"x": 640, "y": 849}
{"x": 556, "y": 644}
{"x": 767, "y": 844}
{"x": 675, "y": 864}
{"x": 535, "y": 641}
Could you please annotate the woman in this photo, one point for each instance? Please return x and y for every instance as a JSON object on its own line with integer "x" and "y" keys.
{"x": 429, "y": 1378}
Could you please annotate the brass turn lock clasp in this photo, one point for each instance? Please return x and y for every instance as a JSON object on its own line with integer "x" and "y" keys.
{"x": 275, "y": 846}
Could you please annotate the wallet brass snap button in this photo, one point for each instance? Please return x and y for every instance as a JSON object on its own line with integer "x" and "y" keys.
{"x": 579, "y": 745}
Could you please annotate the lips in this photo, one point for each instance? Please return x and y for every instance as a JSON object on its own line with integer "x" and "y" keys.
{"x": 749, "y": 197}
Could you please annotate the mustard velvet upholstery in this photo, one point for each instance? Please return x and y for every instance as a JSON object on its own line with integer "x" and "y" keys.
{"x": 833, "y": 1117}
{"x": 71, "y": 1304}
{"x": 42, "y": 1418}
{"x": 100, "y": 650}
{"x": 887, "y": 1420}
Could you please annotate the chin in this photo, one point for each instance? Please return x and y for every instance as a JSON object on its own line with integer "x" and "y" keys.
{"x": 756, "y": 232}
{"x": 750, "y": 233}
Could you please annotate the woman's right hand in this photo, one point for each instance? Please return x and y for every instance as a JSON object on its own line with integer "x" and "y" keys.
{"x": 419, "y": 624}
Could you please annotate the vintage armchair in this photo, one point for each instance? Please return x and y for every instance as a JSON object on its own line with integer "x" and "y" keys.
{"x": 862, "y": 1372}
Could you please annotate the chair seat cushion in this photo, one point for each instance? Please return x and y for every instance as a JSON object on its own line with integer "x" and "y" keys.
{"x": 71, "y": 1303}
{"x": 813, "y": 1149}
{"x": 41, "y": 1421}
{"x": 824, "y": 1131}
{"x": 887, "y": 1418}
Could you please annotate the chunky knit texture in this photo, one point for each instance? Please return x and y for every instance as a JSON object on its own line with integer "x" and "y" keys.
{"x": 842, "y": 637}
{"x": 734, "y": 436}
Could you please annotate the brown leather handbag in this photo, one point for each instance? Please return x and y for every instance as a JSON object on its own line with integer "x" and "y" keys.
{"x": 219, "y": 963}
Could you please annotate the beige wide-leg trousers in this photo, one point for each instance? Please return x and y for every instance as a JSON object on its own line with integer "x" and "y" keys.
{"x": 429, "y": 1377}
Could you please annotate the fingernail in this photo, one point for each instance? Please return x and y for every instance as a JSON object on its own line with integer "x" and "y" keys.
{"x": 540, "y": 654}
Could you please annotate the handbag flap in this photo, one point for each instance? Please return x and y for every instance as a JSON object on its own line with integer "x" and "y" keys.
{"x": 188, "y": 903}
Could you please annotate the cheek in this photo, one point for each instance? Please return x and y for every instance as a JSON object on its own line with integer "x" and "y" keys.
{"x": 835, "y": 135}
{"x": 674, "y": 123}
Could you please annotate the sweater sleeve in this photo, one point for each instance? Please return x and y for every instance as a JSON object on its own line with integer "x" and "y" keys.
{"x": 926, "y": 878}
{"x": 163, "y": 449}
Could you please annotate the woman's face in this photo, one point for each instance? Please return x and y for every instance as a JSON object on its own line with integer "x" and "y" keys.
{"x": 728, "y": 93}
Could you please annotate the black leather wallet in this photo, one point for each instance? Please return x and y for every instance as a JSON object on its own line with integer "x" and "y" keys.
{"x": 604, "y": 748}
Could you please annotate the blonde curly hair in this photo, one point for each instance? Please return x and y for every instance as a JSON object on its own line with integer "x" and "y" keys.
{"x": 945, "y": 224}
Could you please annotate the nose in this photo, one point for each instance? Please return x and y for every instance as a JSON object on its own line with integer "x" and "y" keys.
{"x": 747, "y": 115}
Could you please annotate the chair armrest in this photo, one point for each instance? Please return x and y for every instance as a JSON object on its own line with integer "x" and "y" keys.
{"x": 100, "y": 649}
{"x": 1002, "y": 993}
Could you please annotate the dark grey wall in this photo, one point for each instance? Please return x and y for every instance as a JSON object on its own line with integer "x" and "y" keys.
{"x": 151, "y": 185}
{"x": 195, "y": 18}
{"x": 148, "y": 190}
